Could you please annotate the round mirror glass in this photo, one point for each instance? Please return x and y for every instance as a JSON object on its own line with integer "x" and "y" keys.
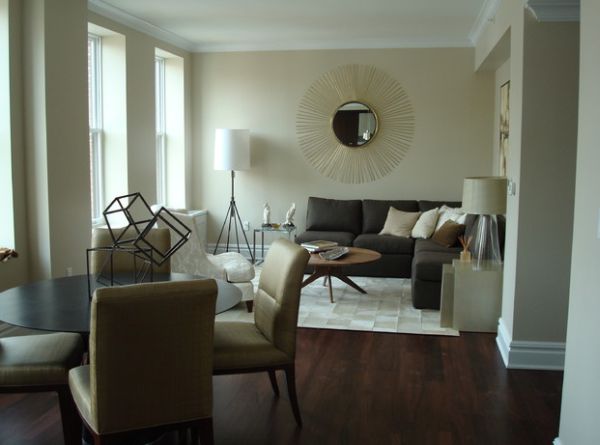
{"x": 354, "y": 124}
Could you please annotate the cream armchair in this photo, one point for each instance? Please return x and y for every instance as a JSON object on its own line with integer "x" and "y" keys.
{"x": 192, "y": 258}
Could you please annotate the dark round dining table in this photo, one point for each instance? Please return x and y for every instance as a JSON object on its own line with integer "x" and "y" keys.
{"x": 63, "y": 304}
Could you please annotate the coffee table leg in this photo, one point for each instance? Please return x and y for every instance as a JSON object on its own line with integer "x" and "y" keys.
{"x": 328, "y": 278}
{"x": 315, "y": 276}
{"x": 349, "y": 282}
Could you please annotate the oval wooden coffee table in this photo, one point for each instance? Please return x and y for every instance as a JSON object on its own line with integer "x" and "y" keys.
{"x": 334, "y": 268}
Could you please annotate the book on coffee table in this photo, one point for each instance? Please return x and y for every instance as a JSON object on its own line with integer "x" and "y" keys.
{"x": 319, "y": 245}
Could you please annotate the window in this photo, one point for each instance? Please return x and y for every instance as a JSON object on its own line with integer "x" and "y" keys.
{"x": 161, "y": 133}
{"x": 171, "y": 167}
{"x": 95, "y": 124}
{"x": 7, "y": 225}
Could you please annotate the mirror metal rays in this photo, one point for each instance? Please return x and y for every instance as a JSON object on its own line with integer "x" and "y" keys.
{"x": 332, "y": 136}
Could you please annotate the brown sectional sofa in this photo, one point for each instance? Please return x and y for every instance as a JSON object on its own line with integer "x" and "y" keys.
{"x": 358, "y": 222}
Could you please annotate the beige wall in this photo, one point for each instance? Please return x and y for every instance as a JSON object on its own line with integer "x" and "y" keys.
{"x": 581, "y": 390}
{"x": 48, "y": 74}
{"x": 543, "y": 121}
{"x": 261, "y": 91}
{"x": 55, "y": 85}
{"x": 141, "y": 126}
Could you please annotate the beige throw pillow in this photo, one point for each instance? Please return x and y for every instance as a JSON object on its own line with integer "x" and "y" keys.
{"x": 399, "y": 223}
{"x": 425, "y": 226}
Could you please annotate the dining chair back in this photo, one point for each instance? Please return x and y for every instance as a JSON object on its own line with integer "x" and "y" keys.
{"x": 268, "y": 344}
{"x": 151, "y": 360}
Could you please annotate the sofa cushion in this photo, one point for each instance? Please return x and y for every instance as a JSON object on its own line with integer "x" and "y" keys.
{"x": 374, "y": 212}
{"x": 450, "y": 213}
{"x": 428, "y": 245}
{"x": 428, "y": 265}
{"x": 342, "y": 238}
{"x": 334, "y": 214}
{"x": 448, "y": 234}
{"x": 399, "y": 223}
{"x": 425, "y": 225}
{"x": 385, "y": 244}
{"x": 428, "y": 205}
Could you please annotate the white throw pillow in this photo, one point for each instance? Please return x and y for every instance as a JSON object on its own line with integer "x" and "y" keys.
{"x": 425, "y": 226}
{"x": 446, "y": 213}
{"x": 399, "y": 223}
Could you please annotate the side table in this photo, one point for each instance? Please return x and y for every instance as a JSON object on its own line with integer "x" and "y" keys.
{"x": 281, "y": 229}
{"x": 471, "y": 297}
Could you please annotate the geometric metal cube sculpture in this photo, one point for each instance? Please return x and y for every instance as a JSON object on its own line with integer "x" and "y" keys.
{"x": 180, "y": 230}
{"x": 132, "y": 211}
{"x": 130, "y": 219}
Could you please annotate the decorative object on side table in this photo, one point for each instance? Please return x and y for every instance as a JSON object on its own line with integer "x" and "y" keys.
{"x": 289, "y": 216}
{"x": 266, "y": 215}
{"x": 485, "y": 196}
{"x": 232, "y": 152}
{"x": 6, "y": 254}
{"x": 465, "y": 254}
{"x": 130, "y": 219}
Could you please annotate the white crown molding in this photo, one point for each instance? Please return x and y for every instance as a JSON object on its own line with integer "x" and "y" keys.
{"x": 549, "y": 356}
{"x": 333, "y": 44}
{"x": 487, "y": 14}
{"x": 554, "y": 10}
{"x": 124, "y": 18}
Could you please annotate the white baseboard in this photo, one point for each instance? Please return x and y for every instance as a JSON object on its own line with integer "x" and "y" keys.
{"x": 557, "y": 441}
{"x": 540, "y": 355}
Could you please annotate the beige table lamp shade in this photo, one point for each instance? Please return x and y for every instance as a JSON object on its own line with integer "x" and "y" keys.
{"x": 484, "y": 195}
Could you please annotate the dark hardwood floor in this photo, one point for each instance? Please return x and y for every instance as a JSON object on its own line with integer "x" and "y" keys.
{"x": 361, "y": 388}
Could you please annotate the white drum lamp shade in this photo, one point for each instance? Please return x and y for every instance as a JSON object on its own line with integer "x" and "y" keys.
{"x": 232, "y": 149}
{"x": 484, "y": 195}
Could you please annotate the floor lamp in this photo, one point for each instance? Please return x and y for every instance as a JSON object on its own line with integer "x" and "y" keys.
{"x": 232, "y": 152}
{"x": 485, "y": 196}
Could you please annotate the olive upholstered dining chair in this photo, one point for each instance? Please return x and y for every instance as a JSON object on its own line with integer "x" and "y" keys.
{"x": 123, "y": 261}
{"x": 151, "y": 361}
{"x": 40, "y": 363}
{"x": 268, "y": 344}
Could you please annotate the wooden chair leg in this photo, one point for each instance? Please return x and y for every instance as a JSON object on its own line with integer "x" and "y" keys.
{"x": 204, "y": 432}
{"x": 290, "y": 377}
{"x": 71, "y": 422}
{"x": 182, "y": 436}
{"x": 273, "y": 379}
{"x": 249, "y": 305}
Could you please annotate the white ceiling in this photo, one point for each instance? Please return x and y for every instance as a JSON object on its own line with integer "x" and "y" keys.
{"x": 244, "y": 25}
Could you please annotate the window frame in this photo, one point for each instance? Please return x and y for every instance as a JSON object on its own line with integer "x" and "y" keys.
{"x": 161, "y": 129}
{"x": 95, "y": 126}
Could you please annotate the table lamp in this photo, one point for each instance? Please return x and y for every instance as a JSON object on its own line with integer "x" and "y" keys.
{"x": 485, "y": 196}
{"x": 232, "y": 152}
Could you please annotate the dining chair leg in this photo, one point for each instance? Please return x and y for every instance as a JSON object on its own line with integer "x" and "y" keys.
{"x": 290, "y": 377}
{"x": 273, "y": 379}
{"x": 204, "y": 432}
{"x": 71, "y": 422}
{"x": 182, "y": 436}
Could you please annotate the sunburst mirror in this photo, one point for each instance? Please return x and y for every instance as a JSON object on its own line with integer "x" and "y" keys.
{"x": 355, "y": 124}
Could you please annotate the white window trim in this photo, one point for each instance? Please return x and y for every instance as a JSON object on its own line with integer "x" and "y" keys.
{"x": 161, "y": 135}
{"x": 96, "y": 131}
